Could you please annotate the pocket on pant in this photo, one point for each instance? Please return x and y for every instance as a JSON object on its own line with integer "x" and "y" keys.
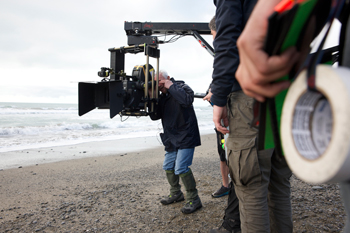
{"x": 245, "y": 168}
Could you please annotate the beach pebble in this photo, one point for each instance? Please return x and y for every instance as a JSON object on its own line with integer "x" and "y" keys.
{"x": 124, "y": 196}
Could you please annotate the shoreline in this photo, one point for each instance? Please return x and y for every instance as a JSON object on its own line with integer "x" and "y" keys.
{"x": 40, "y": 155}
{"x": 51, "y": 154}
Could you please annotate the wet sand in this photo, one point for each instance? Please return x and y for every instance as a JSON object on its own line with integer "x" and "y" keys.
{"x": 119, "y": 191}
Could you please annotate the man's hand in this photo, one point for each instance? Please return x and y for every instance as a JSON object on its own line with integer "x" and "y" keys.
{"x": 256, "y": 74}
{"x": 220, "y": 113}
{"x": 257, "y": 71}
{"x": 208, "y": 96}
{"x": 166, "y": 83}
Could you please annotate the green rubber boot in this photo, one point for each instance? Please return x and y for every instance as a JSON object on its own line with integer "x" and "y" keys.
{"x": 193, "y": 202}
{"x": 175, "y": 189}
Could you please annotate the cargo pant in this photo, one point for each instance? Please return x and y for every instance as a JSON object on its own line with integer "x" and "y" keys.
{"x": 261, "y": 181}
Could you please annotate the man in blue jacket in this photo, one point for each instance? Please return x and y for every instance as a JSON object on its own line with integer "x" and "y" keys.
{"x": 261, "y": 182}
{"x": 180, "y": 137}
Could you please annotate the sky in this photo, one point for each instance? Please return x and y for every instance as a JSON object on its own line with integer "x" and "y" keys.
{"x": 47, "y": 47}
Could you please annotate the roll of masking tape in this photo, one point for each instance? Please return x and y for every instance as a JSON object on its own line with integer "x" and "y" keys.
{"x": 315, "y": 126}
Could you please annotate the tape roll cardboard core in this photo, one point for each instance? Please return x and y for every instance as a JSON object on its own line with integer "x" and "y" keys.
{"x": 312, "y": 125}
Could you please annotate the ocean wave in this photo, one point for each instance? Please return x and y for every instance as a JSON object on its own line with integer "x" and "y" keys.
{"x": 15, "y": 111}
{"x": 31, "y": 130}
{"x": 47, "y": 129}
{"x": 24, "y": 125}
{"x": 20, "y": 142}
{"x": 19, "y": 107}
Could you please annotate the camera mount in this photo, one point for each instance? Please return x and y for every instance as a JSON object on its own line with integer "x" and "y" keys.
{"x": 129, "y": 95}
{"x": 138, "y": 32}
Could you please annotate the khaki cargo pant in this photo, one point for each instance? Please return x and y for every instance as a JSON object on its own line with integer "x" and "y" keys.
{"x": 261, "y": 182}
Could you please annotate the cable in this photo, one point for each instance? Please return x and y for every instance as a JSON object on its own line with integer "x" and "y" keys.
{"x": 173, "y": 38}
{"x": 121, "y": 118}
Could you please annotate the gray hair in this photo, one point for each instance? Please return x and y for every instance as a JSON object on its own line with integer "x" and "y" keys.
{"x": 163, "y": 73}
{"x": 212, "y": 25}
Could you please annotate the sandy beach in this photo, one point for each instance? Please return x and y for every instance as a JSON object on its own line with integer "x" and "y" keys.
{"x": 29, "y": 157}
{"x": 94, "y": 187}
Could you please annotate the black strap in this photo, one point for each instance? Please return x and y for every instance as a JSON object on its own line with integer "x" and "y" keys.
{"x": 343, "y": 18}
{"x": 274, "y": 127}
{"x": 315, "y": 60}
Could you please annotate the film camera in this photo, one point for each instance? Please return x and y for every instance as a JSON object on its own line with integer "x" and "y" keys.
{"x": 123, "y": 94}
{"x": 128, "y": 95}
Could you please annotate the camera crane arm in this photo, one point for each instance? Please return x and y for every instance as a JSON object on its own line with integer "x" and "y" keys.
{"x": 128, "y": 95}
{"x": 144, "y": 32}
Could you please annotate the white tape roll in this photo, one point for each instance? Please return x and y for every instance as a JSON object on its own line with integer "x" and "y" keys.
{"x": 315, "y": 128}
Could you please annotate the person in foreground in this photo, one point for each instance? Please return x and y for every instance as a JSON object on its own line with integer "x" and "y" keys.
{"x": 226, "y": 185}
{"x": 180, "y": 137}
{"x": 257, "y": 70}
{"x": 261, "y": 181}
{"x": 231, "y": 220}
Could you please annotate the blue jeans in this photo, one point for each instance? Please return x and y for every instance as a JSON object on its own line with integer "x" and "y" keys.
{"x": 178, "y": 161}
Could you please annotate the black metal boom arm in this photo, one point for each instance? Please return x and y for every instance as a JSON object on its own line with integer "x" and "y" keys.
{"x": 145, "y": 32}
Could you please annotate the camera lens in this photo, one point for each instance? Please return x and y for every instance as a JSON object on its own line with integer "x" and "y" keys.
{"x": 103, "y": 73}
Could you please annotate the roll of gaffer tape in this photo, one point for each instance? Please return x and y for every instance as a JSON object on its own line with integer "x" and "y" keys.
{"x": 315, "y": 126}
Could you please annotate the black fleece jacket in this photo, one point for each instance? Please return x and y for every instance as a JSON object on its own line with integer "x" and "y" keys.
{"x": 179, "y": 120}
{"x": 231, "y": 17}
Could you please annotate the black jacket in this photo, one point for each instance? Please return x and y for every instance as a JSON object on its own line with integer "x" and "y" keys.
{"x": 231, "y": 17}
{"x": 178, "y": 117}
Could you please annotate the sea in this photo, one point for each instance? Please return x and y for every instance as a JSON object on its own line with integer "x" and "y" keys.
{"x": 37, "y": 125}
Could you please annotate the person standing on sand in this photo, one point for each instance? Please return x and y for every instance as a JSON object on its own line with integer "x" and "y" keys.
{"x": 261, "y": 180}
{"x": 180, "y": 137}
{"x": 231, "y": 218}
{"x": 257, "y": 72}
{"x": 226, "y": 185}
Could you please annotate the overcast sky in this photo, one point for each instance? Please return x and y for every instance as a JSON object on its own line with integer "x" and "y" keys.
{"x": 47, "y": 47}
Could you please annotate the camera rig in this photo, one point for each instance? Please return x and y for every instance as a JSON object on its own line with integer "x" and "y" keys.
{"x": 128, "y": 95}
{"x": 139, "y": 33}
